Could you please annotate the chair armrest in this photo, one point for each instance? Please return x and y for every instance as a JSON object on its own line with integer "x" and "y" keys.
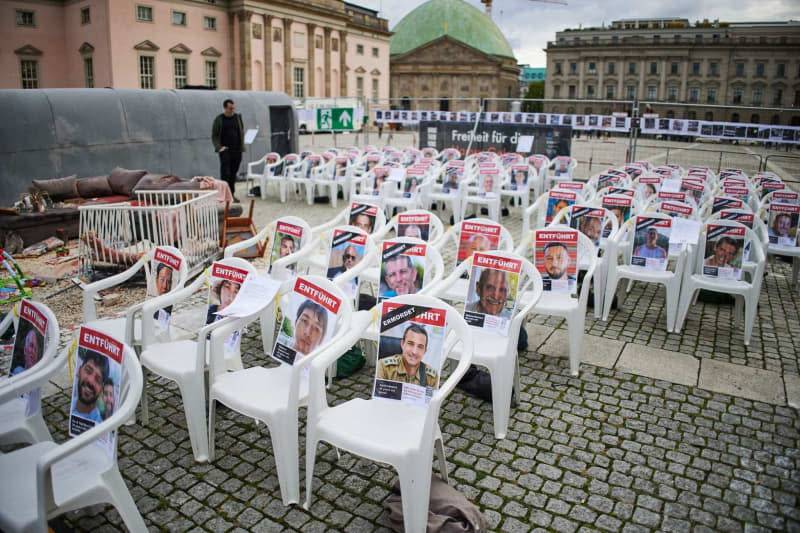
{"x": 296, "y": 257}
{"x": 32, "y": 378}
{"x": 90, "y": 290}
{"x": 254, "y": 164}
{"x": 380, "y": 234}
{"x": 450, "y": 280}
{"x": 8, "y": 320}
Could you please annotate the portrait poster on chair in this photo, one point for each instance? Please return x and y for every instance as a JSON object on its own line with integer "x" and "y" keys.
{"x": 363, "y": 216}
{"x": 29, "y": 348}
{"x": 347, "y": 250}
{"x": 413, "y": 180}
{"x": 651, "y": 242}
{"x": 783, "y": 220}
{"x": 410, "y": 353}
{"x": 286, "y": 240}
{"x": 312, "y": 162}
{"x": 558, "y": 199}
{"x": 589, "y": 221}
{"x": 488, "y": 182}
{"x": 372, "y": 161}
{"x": 519, "y": 177}
{"x": 620, "y": 207}
{"x": 225, "y": 283}
{"x": 649, "y": 185}
{"x": 719, "y": 203}
{"x": 340, "y": 170}
{"x": 164, "y": 273}
{"x": 417, "y": 225}
{"x": 380, "y": 175}
{"x": 453, "y": 172}
{"x": 96, "y": 386}
{"x": 477, "y": 237}
{"x": 724, "y": 252}
{"x": 309, "y": 322}
{"x": 676, "y": 209}
{"x": 402, "y": 268}
{"x": 786, "y": 197}
{"x": 555, "y": 256}
{"x": 492, "y": 293}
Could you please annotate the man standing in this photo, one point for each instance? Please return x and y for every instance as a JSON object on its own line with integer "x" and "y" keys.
{"x": 408, "y": 366}
{"x": 227, "y": 134}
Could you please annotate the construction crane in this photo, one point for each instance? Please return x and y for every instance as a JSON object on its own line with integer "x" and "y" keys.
{"x": 488, "y": 4}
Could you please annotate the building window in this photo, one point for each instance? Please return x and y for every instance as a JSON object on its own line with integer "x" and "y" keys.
{"x": 695, "y": 69}
{"x": 210, "y": 23}
{"x": 653, "y": 67}
{"x": 713, "y": 69}
{"x": 754, "y": 119}
{"x": 86, "y": 16}
{"x": 179, "y": 18}
{"x": 299, "y": 39}
{"x": 30, "y": 73}
{"x": 676, "y": 38}
{"x": 277, "y": 35}
{"x": 590, "y": 91}
{"x": 612, "y": 67}
{"x": 631, "y": 92}
{"x": 180, "y": 72}
{"x": 656, "y": 39}
{"x": 760, "y": 68}
{"x": 711, "y": 95}
{"x": 299, "y": 82}
{"x": 651, "y": 92}
{"x": 25, "y": 18}
{"x": 592, "y": 68}
{"x": 694, "y": 94}
{"x": 211, "y": 74}
{"x": 781, "y": 70}
{"x": 147, "y": 72}
{"x": 256, "y": 30}
{"x": 144, "y": 13}
{"x": 672, "y": 94}
{"x": 374, "y": 52}
{"x": 88, "y": 72}
{"x": 610, "y": 92}
{"x": 572, "y": 90}
{"x": 318, "y": 42}
{"x": 691, "y": 115}
{"x": 709, "y": 116}
{"x": 374, "y": 89}
{"x": 698, "y": 38}
{"x": 573, "y": 67}
{"x": 335, "y": 45}
{"x": 739, "y": 70}
{"x": 737, "y": 95}
{"x": 632, "y": 67}
{"x": 359, "y": 86}
{"x": 360, "y": 49}
{"x": 673, "y": 68}
{"x": 558, "y": 67}
{"x": 757, "y": 96}
{"x": 797, "y": 99}
{"x": 777, "y": 97}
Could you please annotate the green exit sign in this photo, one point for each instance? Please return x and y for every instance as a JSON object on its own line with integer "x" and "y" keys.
{"x": 335, "y": 118}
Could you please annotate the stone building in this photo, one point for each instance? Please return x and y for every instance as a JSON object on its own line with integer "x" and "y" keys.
{"x": 668, "y": 62}
{"x": 445, "y": 50}
{"x": 314, "y": 48}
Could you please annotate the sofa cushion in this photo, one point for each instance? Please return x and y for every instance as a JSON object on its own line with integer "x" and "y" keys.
{"x": 123, "y": 181}
{"x": 58, "y": 188}
{"x": 184, "y": 185}
{"x": 155, "y": 182}
{"x": 94, "y": 187}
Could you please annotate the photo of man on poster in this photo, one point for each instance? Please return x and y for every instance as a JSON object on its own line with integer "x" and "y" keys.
{"x": 723, "y": 253}
{"x": 407, "y": 367}
{"x": 491, "y": 290}
{"x": 650, "y": 249}
{"x": 92, "y": 373}
{"x": 310, "y": 326}
{"x": 556, "y": 261}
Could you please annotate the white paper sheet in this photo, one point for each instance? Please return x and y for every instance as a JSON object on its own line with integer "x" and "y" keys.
{"x": 671, "y": 185}
{"x": 397, "y": 174}
{"x": 256, "y": 293}
{"x": 684, "y": 230}
{"x": 525, "y": 143}
{"x": 250, "y": 135}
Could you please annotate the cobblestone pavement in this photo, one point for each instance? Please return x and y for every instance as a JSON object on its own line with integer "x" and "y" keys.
{"x": 606, "y": 451}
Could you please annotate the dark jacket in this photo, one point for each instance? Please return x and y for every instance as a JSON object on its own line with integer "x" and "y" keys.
{"x": 216, "y": 131}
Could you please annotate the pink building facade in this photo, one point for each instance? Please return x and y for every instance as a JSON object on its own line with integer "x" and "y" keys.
{"x": 320, "y": 48}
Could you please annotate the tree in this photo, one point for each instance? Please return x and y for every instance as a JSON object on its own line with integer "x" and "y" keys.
{"x": 535, "y": 91}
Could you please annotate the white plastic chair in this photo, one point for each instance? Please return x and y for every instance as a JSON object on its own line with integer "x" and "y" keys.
{"x": 283, "y": 264}
{"x": 434, "y": 233}
{"x": 361, "y": 270}
{"x": 404, "y": 436}
{"x": 452, "y": 197}
{"x": 498, "y": 352}
{"x": 127, "y": 328}
{"x": 18, "y": 424}
{"x": 35, "y": 486}
{"x": 786, "y": 251}
{"x": 745, "y": 292}
{"x": 343, "y": 218}
{"x": 396, "y": 199}
{"x": 620, "y": 248}
{"x": 273, "y": 395}
{"x": 185, "y": 361}
{"x": 270, "y": 161}
{"x": 511, "y": 191}
{"x": 562, "y": 168}
{"x": 565, "y": 305}
{"x": 490, "y": 200}
{"x": 434, "y": 267}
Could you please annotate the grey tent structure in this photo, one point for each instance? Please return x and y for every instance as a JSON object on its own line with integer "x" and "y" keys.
{"x": 51, "y": 133}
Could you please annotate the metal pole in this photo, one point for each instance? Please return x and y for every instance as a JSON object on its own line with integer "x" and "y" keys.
{"x": 367, "y": 122}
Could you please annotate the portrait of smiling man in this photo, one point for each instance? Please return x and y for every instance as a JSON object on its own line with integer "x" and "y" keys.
{"x": 408, "y": 366}
{"x": 91, "y": 376}
{"x": 400, "y": 277}
{"x": 492, "y": 291}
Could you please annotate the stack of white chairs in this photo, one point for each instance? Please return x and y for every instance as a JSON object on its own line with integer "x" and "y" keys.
{"x": 270, "y": 173}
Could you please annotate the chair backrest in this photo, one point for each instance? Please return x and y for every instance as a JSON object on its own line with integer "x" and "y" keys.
{"x": 163, "y": 260}
{"x": 596, "y": 222}
{"x": 365, "y": 215}
{"x": 470, "y": 231}
{"x": 433, "y": 266}
{"x": 585, "y": 255}
{"x": 706, "y": 252}
{"x": 342, "y": 238}
{"x": 22, "y": 370}
{"x": 563, "y": 166}
{"x": 291, "y": 164}
{"x": 417, "y": 223}
{"x": 290, "y": 236}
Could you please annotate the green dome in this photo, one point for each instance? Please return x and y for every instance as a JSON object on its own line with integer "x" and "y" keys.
{"x": 454, "y": 18}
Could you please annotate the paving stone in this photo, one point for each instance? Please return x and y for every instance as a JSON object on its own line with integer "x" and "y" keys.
{"x": 597, "y": 351}
{"x": 659, "y": 364}
{"x": 737, "y": 380}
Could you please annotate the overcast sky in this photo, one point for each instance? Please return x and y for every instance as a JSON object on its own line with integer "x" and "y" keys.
{"x": 528, "y": 25}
